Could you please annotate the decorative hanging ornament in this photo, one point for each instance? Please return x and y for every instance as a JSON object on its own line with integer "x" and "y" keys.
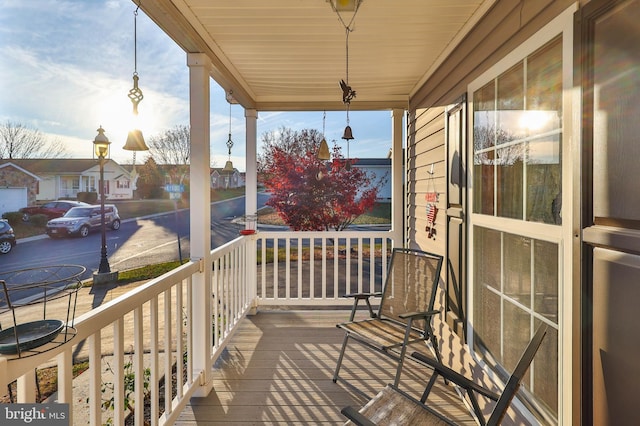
{"x": 228, "y": 167}
{"x": 348, "y": 94}
{"x": 135, "y": 140}
{"x": 323, "y": 149}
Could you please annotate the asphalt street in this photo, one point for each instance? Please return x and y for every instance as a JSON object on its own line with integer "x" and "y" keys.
{"x": 138, "y": 242}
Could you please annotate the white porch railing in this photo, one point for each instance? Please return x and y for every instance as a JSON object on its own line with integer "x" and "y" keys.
{"x": 340, "y": 263}
{"x": 311, "y": 268}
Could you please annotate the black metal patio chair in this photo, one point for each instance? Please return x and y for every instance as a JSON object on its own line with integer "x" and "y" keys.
{"x": 393, "y": 407}
{"x": 405, "y": 312}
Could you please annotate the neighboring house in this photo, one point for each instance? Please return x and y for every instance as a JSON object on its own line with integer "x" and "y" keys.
{"x": 223, "y": 180}
{"x": 380, "y": 168}
{"x": 63, "y": 178}
{"x": 18, "y": 187}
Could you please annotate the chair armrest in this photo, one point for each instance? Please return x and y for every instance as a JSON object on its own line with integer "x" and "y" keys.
{"x": 414, "y": 315}
{"x": 362, "y": 296}
{"x": 353, "y": 415}
{"x": 454, "y": 376}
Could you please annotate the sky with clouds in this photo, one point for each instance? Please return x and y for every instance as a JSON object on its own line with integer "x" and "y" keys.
{"x": 66, "y": 68}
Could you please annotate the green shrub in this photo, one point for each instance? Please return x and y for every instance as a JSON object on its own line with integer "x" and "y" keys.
{"x": 39, "y": 219}
{"x": 14, "y": 218}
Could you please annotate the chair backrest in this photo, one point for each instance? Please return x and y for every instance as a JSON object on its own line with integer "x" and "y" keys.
{"x": 513, "y": 384}
{"x": 411, "y": 283}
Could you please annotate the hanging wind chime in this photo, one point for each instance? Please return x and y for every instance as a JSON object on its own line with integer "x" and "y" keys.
{"x": 135, "y": 140}
{"x": 228, "y": 166}
{"x": 323, "y": 149}
{"x": 347, "y": 91}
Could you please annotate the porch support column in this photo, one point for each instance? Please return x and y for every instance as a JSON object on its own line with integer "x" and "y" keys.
{"x": 251, "y": 174}
{"x": 200, "y": 208}
{"x": 397, "y": 179}
{"x": 251, "y": 200}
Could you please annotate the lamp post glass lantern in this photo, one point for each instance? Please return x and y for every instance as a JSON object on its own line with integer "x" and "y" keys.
{"x": 101, "y": 149}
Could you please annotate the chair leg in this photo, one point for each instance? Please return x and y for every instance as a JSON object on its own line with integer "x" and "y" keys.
{"x": 344, "y": 346}
{"x": 476, "y": 407}
{"x": 434, "y": 343}
{"x": 399, "y": 370}
{"x": 427, "y": 390}
{"x": 402, "y": 353}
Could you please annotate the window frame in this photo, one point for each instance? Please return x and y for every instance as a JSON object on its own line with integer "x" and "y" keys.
{"x": 561, "y": 25}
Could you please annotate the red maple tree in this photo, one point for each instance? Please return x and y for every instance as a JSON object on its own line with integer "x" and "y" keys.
{"x": 314, "y": 195}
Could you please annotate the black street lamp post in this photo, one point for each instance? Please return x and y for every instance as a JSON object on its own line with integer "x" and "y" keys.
{"x": 101, "y": 149}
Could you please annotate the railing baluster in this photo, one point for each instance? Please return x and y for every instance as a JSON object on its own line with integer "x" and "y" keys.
{"x": 323, "y": 294}
{"x": 360, "y": 266}
{"x": 168, "y": 352}
{"x": 263, "y": 258}
{"x": 336, "y": 265}
{"x": 312, "y": 269}
{"x": 229, "y": 290}
{"x": 300, "y": 252}
{"x": 27, "y": 387}
{"x": 242, "y": 274}
{"x": 95, "y": 382}
{"x": 215, "y": 301}
{"x": 65, "y": 376}
{"x": 189, "y": 332}
{"x": 138, "y": 365}
{"x": 287, "y": 281}
{"x": 234, "y": 280}
{"x": 347, "y": 250}
{"x": 275, "y": 267}
{"x": 372, "y": 264}
{"x": 179, "y": 342}
{"x": 155, "y": 364}
{"x": 118, "y": 372}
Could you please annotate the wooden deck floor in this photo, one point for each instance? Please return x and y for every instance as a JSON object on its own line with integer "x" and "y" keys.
{"x": 278, "y": 369}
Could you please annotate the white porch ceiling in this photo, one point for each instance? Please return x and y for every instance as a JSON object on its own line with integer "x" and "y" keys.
{"x": 289, "y": 55}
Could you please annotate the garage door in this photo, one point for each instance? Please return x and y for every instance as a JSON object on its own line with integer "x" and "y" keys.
{"x": 12, "y": 199}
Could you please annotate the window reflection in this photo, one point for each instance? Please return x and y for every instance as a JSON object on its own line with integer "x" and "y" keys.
{"x": 516, "y": 285}
{"x": 510, "y": 99}
{"x": 517, "y": 140}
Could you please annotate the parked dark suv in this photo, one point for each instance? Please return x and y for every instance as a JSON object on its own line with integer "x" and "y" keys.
{"x": 7, "y": 237}
{"x": 51, "y": 209}
{"x": 80, "y": 220}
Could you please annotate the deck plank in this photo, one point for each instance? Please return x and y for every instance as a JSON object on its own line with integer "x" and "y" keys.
{"x": 278, "y": 369}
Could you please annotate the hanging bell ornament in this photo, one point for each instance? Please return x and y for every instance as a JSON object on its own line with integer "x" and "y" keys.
{"x": 135, "y": 141}
{"x": 228, "y": 167}
{"x": 323, "y": 150}
{"x": 348, "y": 135}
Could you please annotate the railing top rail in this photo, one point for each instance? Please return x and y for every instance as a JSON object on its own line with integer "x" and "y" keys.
{"x": 100, "y": 317}
{"x": 324, "y": 234}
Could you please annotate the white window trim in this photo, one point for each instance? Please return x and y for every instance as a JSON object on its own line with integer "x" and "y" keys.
{"x": 560, "y": 25}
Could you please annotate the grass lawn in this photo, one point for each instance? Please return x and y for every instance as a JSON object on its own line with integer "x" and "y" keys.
{"x": 379, "y": 215}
